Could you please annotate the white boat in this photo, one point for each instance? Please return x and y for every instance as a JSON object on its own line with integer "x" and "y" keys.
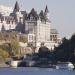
{"x": 14, "y": 63}
{"x": 70, "y": 66}
{"x": 65, "y": 65}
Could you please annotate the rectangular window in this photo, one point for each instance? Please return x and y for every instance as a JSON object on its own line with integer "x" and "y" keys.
{"x": 30, "y": 37}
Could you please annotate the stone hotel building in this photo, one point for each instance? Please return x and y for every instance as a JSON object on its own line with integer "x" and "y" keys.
{"x": 36, "y": 26}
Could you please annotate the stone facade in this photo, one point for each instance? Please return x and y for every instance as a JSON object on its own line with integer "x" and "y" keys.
{"x": 37, "y": 26}
{"x": 11, "y": 21}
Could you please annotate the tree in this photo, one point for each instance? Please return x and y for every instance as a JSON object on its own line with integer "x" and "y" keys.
{"x": 65, "y": 51}
{"x": 3, "y": 54}
{"x": 14, "y": 45}
{"x": 23, "y": 39}
{"x": 43, "y": 51}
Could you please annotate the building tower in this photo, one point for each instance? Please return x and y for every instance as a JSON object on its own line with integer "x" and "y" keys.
{"x": 16, "y": 8}
{"x": 17, "y": 13}
{"x": 46, "y": 13}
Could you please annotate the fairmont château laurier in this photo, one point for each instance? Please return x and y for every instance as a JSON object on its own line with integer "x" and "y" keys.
{"x": 35, "y": 26}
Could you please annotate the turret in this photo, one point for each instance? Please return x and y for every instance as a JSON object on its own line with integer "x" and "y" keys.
{"x": 41, "y": 15}
{"x": 33, "y": 15}
{"x": 46, "y": 9}
{"x": 17, "y": 13}
{"x": 16, "y": 8}
{"x": 46, "y": 13}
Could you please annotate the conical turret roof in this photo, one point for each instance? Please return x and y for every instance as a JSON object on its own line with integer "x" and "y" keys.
{"x": 46, "y": 9}
{"x": 16, "y": 8}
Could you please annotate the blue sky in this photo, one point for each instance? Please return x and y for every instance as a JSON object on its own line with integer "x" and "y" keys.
{"x": 62, "y": 12}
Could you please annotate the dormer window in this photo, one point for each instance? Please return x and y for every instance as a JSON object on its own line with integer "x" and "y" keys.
{"x": 31, "y": 17}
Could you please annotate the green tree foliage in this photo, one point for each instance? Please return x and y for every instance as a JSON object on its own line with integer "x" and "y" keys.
{"x": 65, "y": 51}
{"x": 43, "y": 51}
{"x": 3, "y": 54}
{"x": 8, "y": 35}
{"x": 23, "y": 39}
{"x": 14, "y": 45}
{"x": 4, "y": 47}
{"x": 11, "y": 42}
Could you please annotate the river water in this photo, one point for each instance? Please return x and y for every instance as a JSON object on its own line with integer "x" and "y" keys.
{"x": 35, "y": 71}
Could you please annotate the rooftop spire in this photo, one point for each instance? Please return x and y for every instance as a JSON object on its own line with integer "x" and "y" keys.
{"x": 16, "y": 8}
{"x": 46, "y": 9}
